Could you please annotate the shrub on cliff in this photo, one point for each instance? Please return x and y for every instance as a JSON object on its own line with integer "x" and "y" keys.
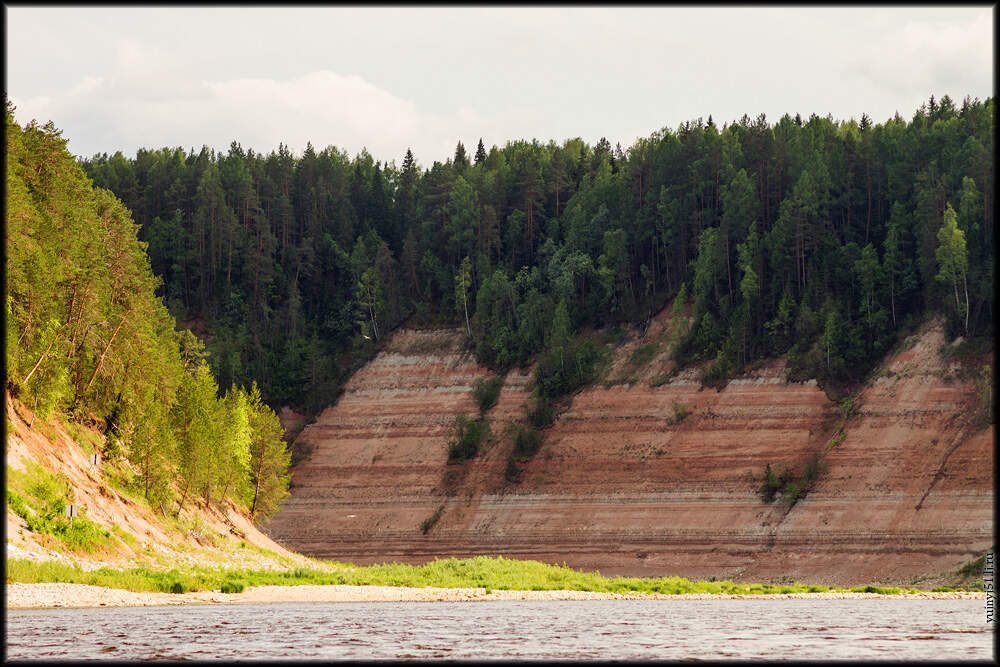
{"x": 467, "y": 438}
{"x": 790, "y": 487}
{"x": 487, "y": 391}
{"x": 768, "y": 486}
{"x": 542, "y": 414}
{"x": 527, "y": 442}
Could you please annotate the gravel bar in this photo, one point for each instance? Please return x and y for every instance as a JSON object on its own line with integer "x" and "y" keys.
{"x": 55, "y": 595}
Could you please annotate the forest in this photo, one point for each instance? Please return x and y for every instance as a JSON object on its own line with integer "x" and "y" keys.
{"x": 88, "y": 337}
{"x": 815, "y": 238}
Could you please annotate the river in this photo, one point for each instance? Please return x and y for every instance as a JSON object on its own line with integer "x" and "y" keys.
{"x": 776, "y": 629}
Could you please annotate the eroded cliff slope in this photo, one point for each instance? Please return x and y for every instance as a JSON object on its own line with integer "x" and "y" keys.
{"x": 137, "y": 535}
{"x": 626, "y": 484}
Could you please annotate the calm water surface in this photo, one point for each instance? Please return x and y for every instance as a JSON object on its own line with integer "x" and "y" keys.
{"x": 516, "y": 630}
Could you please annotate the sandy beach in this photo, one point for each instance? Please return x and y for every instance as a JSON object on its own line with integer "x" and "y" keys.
{"x": 56, "y": 595}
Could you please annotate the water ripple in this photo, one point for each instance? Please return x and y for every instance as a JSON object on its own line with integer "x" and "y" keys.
{"x": 512, "y": 630}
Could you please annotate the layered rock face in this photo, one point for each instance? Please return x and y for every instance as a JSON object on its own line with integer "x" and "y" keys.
{"x": 653, "y": 478}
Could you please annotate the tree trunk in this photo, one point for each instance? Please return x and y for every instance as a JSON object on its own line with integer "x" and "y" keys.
{"x": 965, "y": 285}
{"x": 729, "y": 272}
{"x": 892, "y": 301}
{"x": 465, "y": 305}
{"x": 41, "y": 358}
{"x": 180, "y": 505}
{"x": 107, "y": 347}
{"x": 868, "y": 183}
{"x": 256, "y": 486}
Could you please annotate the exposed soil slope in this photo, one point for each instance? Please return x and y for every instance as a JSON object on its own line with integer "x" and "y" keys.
{"x": 623, "y": 486}
{"x": 201, "y": 536}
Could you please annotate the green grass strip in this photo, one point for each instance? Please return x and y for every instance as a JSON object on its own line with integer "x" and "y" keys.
{"x": 482, "y": 572}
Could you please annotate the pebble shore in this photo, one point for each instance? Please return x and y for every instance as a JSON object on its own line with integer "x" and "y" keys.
{"x": 55, "y": 595}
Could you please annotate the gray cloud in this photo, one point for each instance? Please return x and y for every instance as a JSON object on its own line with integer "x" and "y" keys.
{"x": 389, "y": 78}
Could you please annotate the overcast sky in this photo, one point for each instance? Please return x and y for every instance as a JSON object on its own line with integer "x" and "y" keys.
{"x": 391, "y": 78}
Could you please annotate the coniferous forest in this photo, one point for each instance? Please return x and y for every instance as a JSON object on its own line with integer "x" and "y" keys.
{"x": 817, "y": 238}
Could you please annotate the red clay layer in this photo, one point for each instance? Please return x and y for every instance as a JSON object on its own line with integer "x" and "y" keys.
{"x": 622, "y": 487}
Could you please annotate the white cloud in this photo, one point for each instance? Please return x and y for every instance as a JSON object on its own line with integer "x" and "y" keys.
{"x": 389, "y": 78}
{"x": 145, "y": 107}
{"x": 923, "y": 56}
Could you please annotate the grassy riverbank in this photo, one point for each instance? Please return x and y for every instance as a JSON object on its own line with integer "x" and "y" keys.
{"x": 480, "y": 572}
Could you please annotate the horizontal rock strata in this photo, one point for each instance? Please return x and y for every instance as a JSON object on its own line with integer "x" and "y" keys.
{"x": 621, "y": 485}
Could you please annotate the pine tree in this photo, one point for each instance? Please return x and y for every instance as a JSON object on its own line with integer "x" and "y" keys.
{"x": 461, "y": 160}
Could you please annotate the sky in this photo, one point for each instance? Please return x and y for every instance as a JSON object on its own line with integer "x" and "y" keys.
{"x": 391, "y": 78}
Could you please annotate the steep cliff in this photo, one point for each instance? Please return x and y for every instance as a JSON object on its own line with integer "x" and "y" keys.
{"x": 653, "y": 475}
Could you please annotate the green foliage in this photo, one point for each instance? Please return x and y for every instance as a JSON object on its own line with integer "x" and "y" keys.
{"x": 42, "y": 511}
{"x": 564, "y": 368}
{"x": 790, "y": 487}
{"x": 486, "y": 391}
{"x": 642, "y": 354}
{"x": 232, "y": 587}
{"x": 953, "y": 260}
{"x": 480, "y": 572}
{"x": 89, "y": 334}
{"x": 467, "y": 438}
{"x": 527, "y": 442}
{"x": 769, "y": 485}
{"x": 680, "y": 412}
{"x": 811, "y": 238}
{"x": 973, "y": 569}
{"x": 431, "y": 521}
{"x": 511, "y": 471}
{"x": 541, "y": 413}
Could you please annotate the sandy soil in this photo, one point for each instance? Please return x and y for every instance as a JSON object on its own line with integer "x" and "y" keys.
{"x": 27, "y": 596}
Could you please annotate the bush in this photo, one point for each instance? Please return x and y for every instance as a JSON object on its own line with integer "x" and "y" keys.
{"x": 792, "y": 489}
{"x": 563, "y": 370}
{"x": 468, "y": 436}
{"x": 511, "y": 472}
{"x": 177, "y": 587}
{"x": 431, "y": 521}
{"x": 232, "y": 587}
{"x": 543, "y": 415}
{"x": 526, "y": 444}
{"x": 487, "y": 391}
{"x": 769, "y": 486}
{"x": 680, "y": 412}
{"x": 717, "y": 374}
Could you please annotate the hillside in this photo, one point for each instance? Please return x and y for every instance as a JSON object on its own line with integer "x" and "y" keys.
{"x": 625, "y": 483}
{"x": 129, "y": 533}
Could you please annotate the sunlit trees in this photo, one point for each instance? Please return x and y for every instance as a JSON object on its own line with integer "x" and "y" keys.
{"x": 87, "y": 335}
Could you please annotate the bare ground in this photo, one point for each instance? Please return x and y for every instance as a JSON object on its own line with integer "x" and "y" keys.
{"x": 27, "y": 596}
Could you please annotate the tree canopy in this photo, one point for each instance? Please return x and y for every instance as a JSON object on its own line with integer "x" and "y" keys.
{"x": 815, "y": 238}
{"x": 88, "y": 335}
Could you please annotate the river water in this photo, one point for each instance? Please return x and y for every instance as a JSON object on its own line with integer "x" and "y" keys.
{"x": 776, "y": 629}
